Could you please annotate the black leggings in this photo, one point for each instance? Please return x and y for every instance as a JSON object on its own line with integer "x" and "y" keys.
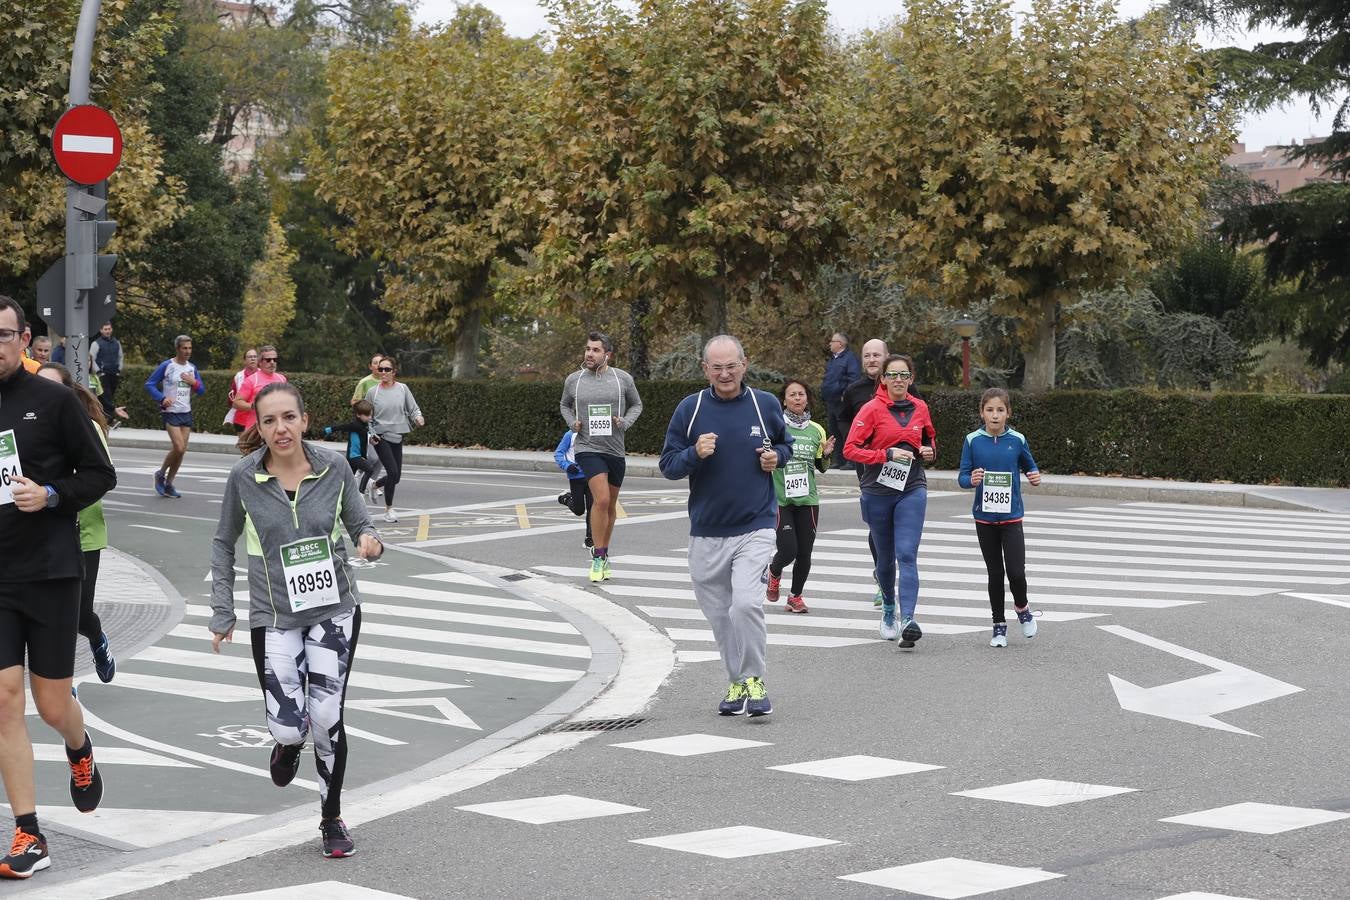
{"x": 364, "y": 466}
{"x": 796, "y": 537}
{"x": 391, "y": 456}
{"x": 1003, "y": 546}
{"x": 581, "y": 501}
{"x": 90, "y": 625}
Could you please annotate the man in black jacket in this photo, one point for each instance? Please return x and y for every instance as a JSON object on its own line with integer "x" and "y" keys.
{"x": 52, "y": 465}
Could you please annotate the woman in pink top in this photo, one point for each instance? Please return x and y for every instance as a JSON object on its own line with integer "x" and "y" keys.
{"x": 243, "y": 395}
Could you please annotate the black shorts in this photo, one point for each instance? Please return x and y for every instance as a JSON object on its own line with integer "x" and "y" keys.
{"x": 593, "y": 464}
{"x": 40, "y": 617}
{"x": 179, "y": 420}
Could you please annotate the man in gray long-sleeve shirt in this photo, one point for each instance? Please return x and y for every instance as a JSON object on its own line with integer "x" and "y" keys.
{"x": 600, "y": 403}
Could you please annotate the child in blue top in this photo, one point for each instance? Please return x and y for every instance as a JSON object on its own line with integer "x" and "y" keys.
{"x": 358, "y": 440}
{"x": 992, "y": 461}
{"x": 578, "y": 496}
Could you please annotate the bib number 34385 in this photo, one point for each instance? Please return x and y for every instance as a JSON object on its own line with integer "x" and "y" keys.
{"x": 310, "y": 577}
{"x": 996, "y": 492}
{"x": 599, "y": 420}
{"x": 10, "y": 470}
{"x": 895, "y": 474}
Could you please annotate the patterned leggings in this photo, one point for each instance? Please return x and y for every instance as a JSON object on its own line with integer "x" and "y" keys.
{"x": 303, "y": 673}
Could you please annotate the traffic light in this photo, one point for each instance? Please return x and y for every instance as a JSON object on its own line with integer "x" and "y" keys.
{"x": 91, "y": 270}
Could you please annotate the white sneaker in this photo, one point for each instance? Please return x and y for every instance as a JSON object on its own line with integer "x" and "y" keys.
{"x": 1028, "y": 620}
{"x": 374, "y": 492}
{"x": 1000, "y": 638}
{"x": 389, "y": 516}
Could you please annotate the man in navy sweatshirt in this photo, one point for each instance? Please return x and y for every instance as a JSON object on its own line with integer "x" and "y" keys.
{"x": 728, "y": 439}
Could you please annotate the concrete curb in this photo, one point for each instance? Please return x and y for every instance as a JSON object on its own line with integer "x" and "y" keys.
{"x": 1122, "y": 489}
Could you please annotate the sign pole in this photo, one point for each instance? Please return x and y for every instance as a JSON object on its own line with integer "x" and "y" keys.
{"x": 81, "y": 230}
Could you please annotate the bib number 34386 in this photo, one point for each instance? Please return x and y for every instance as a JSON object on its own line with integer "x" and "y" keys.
{"x": 895, "y": 474}
{"x": 599, "y": 420}
{"x": 996, "y": 492}
{"x": 310, "y": 577}
{"x": 10, "y": 470}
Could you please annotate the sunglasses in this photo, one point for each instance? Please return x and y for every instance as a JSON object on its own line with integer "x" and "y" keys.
{"x": 269, "y": 359}
{"x": 384, "y": 369}
{"x": 903, "y": 376}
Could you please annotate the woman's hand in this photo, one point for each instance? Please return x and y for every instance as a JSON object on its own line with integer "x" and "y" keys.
{"x": 217, "y": 638}
{"x": 976, "y": 477}
{"x": 1034, "y": 477}
{"x": 369, "y": 547}
{"x": 895, "y": 454}
{"x": 928, "y": 453}
{"x": 827, "y": 448}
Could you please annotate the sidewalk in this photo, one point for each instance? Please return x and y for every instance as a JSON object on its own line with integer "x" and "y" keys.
{"x": 1335, "y": 500}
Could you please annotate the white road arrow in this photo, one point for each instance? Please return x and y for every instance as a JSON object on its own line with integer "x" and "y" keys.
{"x": 1329, "y": 599}
{"x": 1196, "y": 701}
{"x": 450, "y": 714}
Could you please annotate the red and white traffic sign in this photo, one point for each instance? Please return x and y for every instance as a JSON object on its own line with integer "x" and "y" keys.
{"x": 87, "y": 144}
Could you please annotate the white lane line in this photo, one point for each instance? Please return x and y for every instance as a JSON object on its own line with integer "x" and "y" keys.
{"x": 783, "y": 640}
{"x": 181, "y": 687}
{"x": 1322, "y": 598}
{"x": 436, "y": 615}
{"x": 1265, "y": 517}
{"x": 461, "y": 578}
{"x": 1255, "y": 553}
{"x": 409, "y": 592}
{"x": 1121, "y": 541}
{"x": 1247, "y": 512}
{"x": 151, "y": 528}
{"x": 1037, "y": 558}
{"x": 968, "y": 596}
{"x": 492, "y": 641}
{"x": 775, "y": 612}
{"x": 1170, "y": 525}
{"x": 114, "y": 756}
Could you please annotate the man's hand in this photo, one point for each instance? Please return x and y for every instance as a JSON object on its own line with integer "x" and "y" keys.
{"x": 29, "y": 496}
{"x": 576, "y": 426}
{"x": 618, "y": 423}
{"x": 368, "y": 547}
{"x": 706, "y": 445}
{"x": 217, "y": 638}
{"x": 186, "y": 378}
{"x": 166, "y": 403}
{"x": 768, "y": 459}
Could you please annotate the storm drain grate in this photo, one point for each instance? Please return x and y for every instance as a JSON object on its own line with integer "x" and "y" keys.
{"x": 515, "y": 576}
{"x": 599, "y": 725}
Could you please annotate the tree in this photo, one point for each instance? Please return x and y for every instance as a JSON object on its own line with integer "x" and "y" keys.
{"x": 424, "y": 143}
{"x": 1214, "y": 279}
{"x": 1027, "y": 162}
{"x": 681, "y": 159}
{"x": 269, "y": 298}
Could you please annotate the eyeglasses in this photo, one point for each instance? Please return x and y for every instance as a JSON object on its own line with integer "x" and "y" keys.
{"x": 269, "y": 359}
{"x": 7, "y": 335}
{"x": 384, "y": 369}
{"x": 903, "y": 376}
{"x": 729, "y": 367}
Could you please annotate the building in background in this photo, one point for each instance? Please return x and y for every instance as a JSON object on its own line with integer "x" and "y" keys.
{"x": 1273, "y": 167}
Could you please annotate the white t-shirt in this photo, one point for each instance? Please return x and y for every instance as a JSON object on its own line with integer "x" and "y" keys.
{"x": 175, "y": 389}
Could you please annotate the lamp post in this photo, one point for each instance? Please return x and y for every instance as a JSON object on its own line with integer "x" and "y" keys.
{"x": 966, "y": 328}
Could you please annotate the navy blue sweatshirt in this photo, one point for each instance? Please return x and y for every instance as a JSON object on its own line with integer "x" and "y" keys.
{"x": 729, "y": 494}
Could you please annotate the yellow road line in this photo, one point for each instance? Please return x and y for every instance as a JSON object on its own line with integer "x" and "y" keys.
{"x": 423, "y": 527}
{"x": 522, "y": 516}
{"x": 618, "y": 511}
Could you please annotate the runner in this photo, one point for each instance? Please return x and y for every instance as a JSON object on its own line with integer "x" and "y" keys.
{"x": 372, "y": 455}
{"x": 798, "y": 500}
{"x": 250, "y": 367}
{"x": 93, "y": 535}
{"x": 600, "y": 403}
{"x": 304, "y": 618}
{"x": 396, "y": 414}
{"x": 51, "y": 466}
{"x": 728, "y": 440}
{"x": 172, "y": 385}
{"x": 577, "y": 497}
{"x": 993, "y": 459}
{"x": 106, "y": 360}
{"x": 856, "y": 396}
{"x": 248, "y": 389}
{"x": 358, "y": 439}
{"x": 892, "y": 437}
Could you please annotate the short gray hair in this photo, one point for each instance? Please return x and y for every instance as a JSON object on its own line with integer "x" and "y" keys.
{"x": 721, "y": 338}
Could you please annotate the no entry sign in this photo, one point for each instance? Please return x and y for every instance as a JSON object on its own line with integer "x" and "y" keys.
{"x": 87, "y": 144}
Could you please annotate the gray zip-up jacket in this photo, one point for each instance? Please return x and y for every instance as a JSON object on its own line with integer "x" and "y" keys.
{"x": 612, "y": 387}
{"x": 326, "y": 503}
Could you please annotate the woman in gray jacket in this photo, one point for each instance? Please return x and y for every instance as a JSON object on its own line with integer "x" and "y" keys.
{"x": 396, "y": 412}
{"x": 288, "y": 498}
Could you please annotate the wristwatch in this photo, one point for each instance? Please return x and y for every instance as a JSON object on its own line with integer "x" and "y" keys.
{"x": 53, "y": 497}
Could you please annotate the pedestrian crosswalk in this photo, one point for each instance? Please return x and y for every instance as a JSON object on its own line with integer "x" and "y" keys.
{"x": 1085, "y": 562}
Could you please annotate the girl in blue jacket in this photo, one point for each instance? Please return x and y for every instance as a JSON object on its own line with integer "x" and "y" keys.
{"x": 992, "y": 461}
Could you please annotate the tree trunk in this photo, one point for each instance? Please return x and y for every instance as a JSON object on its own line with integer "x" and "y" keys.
{"x": 713, "y": 315}
{"x": 466, "y": 344}
{"x": 639, "y": 361}
{"x": 1040, "y": 353}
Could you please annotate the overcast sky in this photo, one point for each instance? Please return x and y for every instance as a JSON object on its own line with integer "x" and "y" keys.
{"x": 1279, "y": 126}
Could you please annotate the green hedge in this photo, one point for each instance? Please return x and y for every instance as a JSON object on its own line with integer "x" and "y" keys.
{"x": 1246, "y": 438}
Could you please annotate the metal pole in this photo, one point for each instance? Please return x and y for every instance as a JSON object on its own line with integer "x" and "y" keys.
{"x": 81, "y": 240}
{"x": 965, "y": 362}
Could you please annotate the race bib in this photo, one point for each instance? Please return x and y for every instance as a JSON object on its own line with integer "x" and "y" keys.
{"x": 310, "y": 578}
{"x": 10, "y": 470}
{"x": 895, "y": 474}
{"x": 996, "y": 492}
{"x": 599, "y": 420}
{"x": 182, "y": 393}
{"x": 796, "y": 484}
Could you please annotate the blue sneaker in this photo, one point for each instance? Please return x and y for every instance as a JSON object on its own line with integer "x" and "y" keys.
{"x": 171, "y": 491}
{"x": 889, "y": 630}
{"x": 105, "y": 664}
{"x": 758, "y": 704}
{"x": 1028, "y": 620}
{"x": 1000, "y": 638}
{"x": 734, "y": 702}
{"x": 159, "y": 483}
{"x": 909, "y": 633}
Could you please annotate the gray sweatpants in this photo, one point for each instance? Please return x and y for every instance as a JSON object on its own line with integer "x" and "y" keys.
{"x": 726, "y": 575}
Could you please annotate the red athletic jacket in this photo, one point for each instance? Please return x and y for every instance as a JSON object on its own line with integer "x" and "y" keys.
{"x": 881, "y": 425}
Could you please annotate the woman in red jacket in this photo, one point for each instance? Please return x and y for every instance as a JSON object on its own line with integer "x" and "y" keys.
{"x": 892, "y": 437}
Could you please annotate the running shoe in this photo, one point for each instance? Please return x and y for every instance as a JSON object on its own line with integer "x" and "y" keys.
{"x": 795, "y": 604}
{"x": 374, "y": 491}
{"x": 105, "y": 664}
{"x": 86, "y": 784}
{"x": 28, "y": 854}
{"x": 588, "y": 542}
{"x": 733, "y": 704}
{"x": 1000, "y": 638}
{"x": 565, "y": 498}
{"x": 171, "y": 491}
{"x": 758, "y": 699}
{"x": 159, "y": 482}
{"x": 285, "y": 762}
{"x": 878, "y": 598}
{"x": 597, "y": 569}
{"x": 337, "y": 840}
{"x": 910, "y": 632}
{"x": 889, "y": 630}
{"x": 774, "y": 585}
{"x": 1028, "y": 620}
{"x": 606, "y": 572}
{"x": 389, "y": 516}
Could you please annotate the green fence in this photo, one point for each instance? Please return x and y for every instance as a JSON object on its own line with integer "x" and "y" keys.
{"x": 1248, "y": 438}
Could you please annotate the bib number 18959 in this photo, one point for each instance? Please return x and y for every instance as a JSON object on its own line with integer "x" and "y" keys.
{"x": 311, "y": 579}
